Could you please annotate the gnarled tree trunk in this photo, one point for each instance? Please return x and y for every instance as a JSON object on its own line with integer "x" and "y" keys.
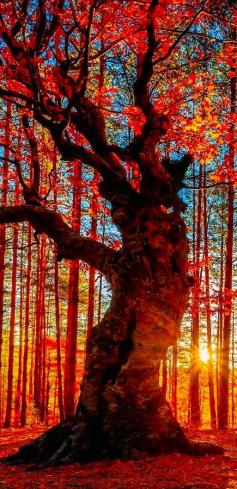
{"x": 121, "y": 410}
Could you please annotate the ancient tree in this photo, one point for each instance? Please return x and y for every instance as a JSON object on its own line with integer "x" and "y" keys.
{"x": 50, "y": 60}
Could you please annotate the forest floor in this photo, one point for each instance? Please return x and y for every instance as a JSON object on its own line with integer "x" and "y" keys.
{"x": 174, "y": 471}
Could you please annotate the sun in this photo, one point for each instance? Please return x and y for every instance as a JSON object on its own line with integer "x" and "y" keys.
{"x": 204, "y": 354}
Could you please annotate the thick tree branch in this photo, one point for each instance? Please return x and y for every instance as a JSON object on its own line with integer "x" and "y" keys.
{"x": 87, "y": 118}
{"x": 105, "y": 161}
{"x": 15, "y": 162}
{"x": 156, "y": 124}
{"x": 15, "y": 47}
{"x": 69, "y": 243}
{"x": 40, "y": 25}
{"x": 18, "y": 25}
{"x": 47, "y": 32}
{"x": 5, "y": 93}
{"x": 145, "y": 68}
{"x": 84, "y": 70}
{"x": 71, "y": 151}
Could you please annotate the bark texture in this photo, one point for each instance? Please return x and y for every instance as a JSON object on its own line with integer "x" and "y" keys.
{"x": 121, "y": 410}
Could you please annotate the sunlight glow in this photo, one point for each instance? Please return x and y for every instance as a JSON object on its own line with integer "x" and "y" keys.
{"x": 204, "y": 354}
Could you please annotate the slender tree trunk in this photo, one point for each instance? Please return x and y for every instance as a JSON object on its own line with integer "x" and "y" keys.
{"x": 37, "y": 356}
{"x": 174, "y": 381}
{"x": 224, "y": 360}
{"x": 93, "y": 233}
{"x": 195, "y": 412}
{"x": 43, "y": 386}
{"x": 71, "y": 341}
{"x": 208, "y": 311}
{"x": 91, "y": 302}
{"x": 3, "y": 241}
{"x": 43, "y": 338}
{"x": 73, "y": 299}
{"x": 32, "y": 355}
{"x": 47, "y": 392}
{"x": 8, "y": 417}
{"x": 57, "y": 313}
{"x": 40, "y": 329}
{"x": 58, "y": 344}
{"x": 91, "y": 292}
{"x": 233, "y": 374}
{"x": 101, "y": 276}
{"x": 26, "y": 336}
{"x": 220, "y": 311}
{"x": 164, "y": 375}
{"x": 19, "y": 372}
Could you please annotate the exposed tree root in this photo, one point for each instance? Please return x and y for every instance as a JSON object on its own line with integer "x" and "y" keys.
{"x": 193, "y": 447}
{"x": 80, "y": 439}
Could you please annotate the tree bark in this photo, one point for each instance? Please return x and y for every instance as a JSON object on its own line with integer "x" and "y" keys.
{"x": 233, "y": 417}
{"x": 8, "y": 417}
{"x": 3, "y": 242}
{"x": 71, "y": 340}
{"x": 208, "y": 312}
{"x": 57, "y": 310}
{"x": 43, "y": 339}
{"x": 26, "y": 336}
{"x": 91, "y": 287}
{"x": 220, "y": 311}
{"x": 58, "y": 344}
{"x": 195, "y": 412}
{"x": 121, "y": 410}
{"x": 164, "y": 375}
{"x": 73, "y": 301}
{"x": 174, "y": 381}
{"x": 223, "y": 404}
{"x": 19, "y": 373}
{"x": 39, "y": 328}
